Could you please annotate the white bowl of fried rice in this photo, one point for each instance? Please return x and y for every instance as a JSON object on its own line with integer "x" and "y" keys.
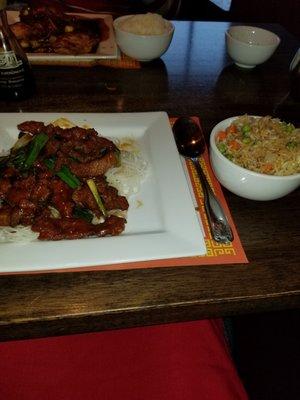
{"x": 256, "y": 157}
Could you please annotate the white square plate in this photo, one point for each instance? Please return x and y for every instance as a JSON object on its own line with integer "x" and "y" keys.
{"x": 162, "y": 221}
{"x": 107, "y": 49}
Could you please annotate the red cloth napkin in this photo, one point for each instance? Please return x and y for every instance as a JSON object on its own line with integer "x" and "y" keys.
{"x": 183, "y": 361}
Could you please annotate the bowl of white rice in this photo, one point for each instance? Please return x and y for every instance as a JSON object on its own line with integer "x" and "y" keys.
{"x": 143, "y": 37}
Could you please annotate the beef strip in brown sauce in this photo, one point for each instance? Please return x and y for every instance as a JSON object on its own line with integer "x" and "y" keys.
{"x": 39, "y": 197}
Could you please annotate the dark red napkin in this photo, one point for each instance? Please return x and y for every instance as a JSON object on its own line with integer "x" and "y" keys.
{"x": 183, "y": 361}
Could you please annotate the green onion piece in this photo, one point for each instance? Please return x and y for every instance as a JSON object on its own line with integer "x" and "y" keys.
{"x": 23, "y": 141}
{"x": 54, "y": 212}
{"x": 68, "y": 177}
{"x": 37, "y": 143}
{"x": 93, "y": 188}
{"x": 64, "y": 174}
{"x": 50, "y": 163}
{"x": 15, "y": 159}
{"x": 73, "y": 159}
{"x": 18, "y": 159}
{"x": 83, "y": 213}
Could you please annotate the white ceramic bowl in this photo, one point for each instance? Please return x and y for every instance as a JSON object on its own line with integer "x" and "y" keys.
{"x": 249, "y": 46}
{"x": 246, "y": 183}
{"x": 143, "y": 47}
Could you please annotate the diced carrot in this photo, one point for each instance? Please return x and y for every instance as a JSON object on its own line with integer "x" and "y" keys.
{"x": 221, "y": 136}
{"x": 232, "y": 129}
{"x": 234, "y": 145}
{"x": 268, "y": 167}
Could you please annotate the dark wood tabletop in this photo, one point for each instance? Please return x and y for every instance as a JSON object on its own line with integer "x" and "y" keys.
{"x": 194, "y": 77}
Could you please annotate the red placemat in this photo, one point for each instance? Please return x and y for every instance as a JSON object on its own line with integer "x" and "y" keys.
{"x": 217, "y": 253}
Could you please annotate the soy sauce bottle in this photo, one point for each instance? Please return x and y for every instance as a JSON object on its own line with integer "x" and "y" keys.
{"x": 16, "y": 77}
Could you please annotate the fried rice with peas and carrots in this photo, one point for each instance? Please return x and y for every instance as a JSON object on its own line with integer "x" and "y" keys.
{"x": 262, "y": 144}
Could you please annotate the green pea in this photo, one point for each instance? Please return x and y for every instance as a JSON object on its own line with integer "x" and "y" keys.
{"x": 288, "y": 127}
{"x": 222, "y": 147}
{"x": 291, "y": 145}
{"x": 246, "y": 129}
{"x": 246, "y": 140}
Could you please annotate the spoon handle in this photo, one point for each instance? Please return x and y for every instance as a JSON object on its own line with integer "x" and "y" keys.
{"x": 218, "y": 223}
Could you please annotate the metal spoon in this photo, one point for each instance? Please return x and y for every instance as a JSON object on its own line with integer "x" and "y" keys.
{"x": 191, "y": 144}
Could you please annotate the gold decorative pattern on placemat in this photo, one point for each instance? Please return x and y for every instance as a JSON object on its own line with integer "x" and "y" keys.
{"x": 214, "y": 249}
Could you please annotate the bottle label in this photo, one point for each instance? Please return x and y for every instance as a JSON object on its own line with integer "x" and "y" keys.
{"x": 11, "y": 71}
{"x": 8, "y": 60}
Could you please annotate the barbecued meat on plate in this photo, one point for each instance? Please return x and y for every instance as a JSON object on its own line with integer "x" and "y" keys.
{"x": 49, "y": 30}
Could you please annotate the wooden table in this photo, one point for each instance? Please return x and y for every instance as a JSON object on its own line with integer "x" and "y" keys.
{"x": 194, "y": 77}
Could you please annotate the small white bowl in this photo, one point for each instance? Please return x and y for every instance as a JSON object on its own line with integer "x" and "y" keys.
{"x": 243, "y": 182}
{"x": 249, "y": 46}
{"x": 143, "y": 47}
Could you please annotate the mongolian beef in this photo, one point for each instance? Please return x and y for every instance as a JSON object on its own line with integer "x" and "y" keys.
{"x": 53, "y": 181}
{"x": 49, "y": 30}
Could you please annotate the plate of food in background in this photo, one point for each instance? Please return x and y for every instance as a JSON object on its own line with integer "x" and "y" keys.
{"x": 51, "y": 36}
